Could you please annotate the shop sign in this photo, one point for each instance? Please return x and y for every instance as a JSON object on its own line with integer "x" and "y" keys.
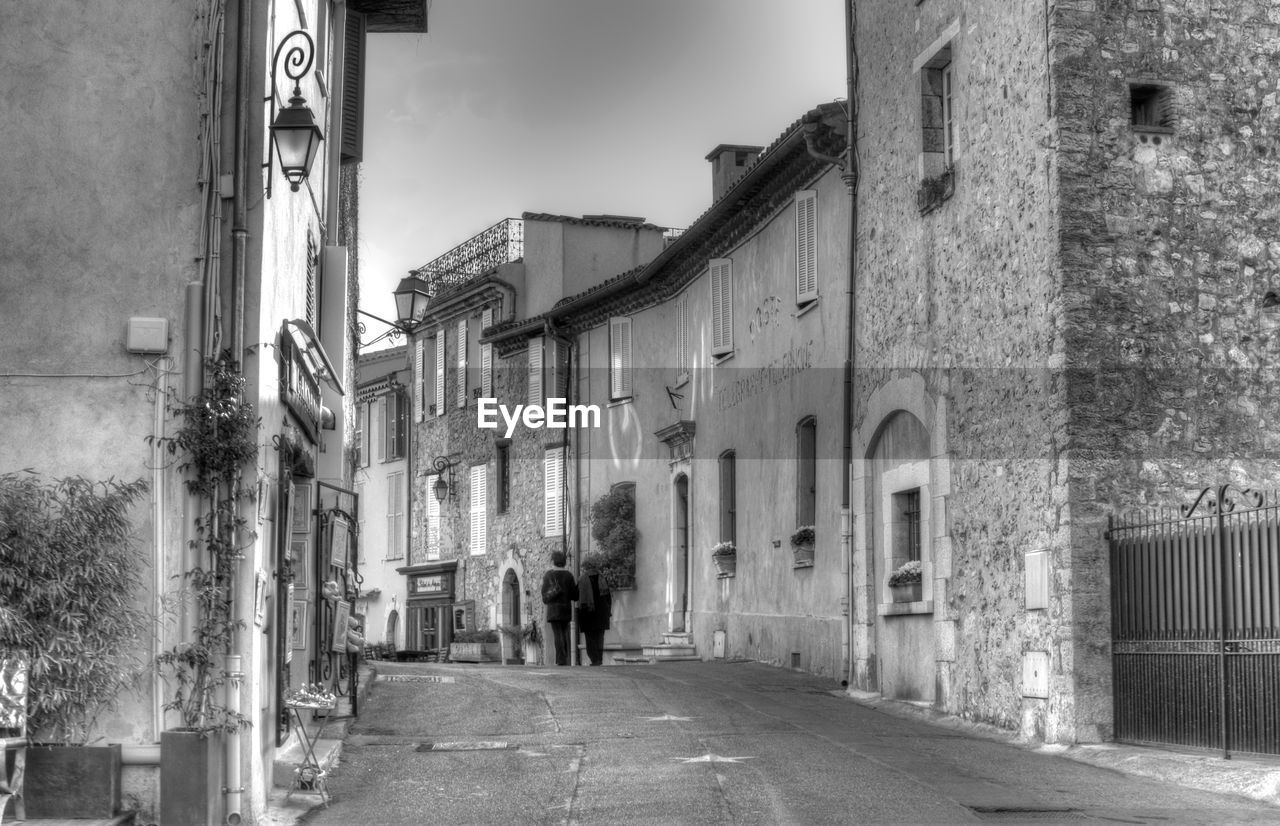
{"x": 423, "y": 584}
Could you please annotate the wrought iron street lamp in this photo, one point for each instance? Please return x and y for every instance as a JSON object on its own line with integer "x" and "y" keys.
{"x": 444, "y": 489}
{"x": 411, "y": 302}
{"x": 294, "y": 132}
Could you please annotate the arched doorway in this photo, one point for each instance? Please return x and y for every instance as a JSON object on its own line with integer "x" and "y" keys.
{"x": 393, "y": 622}
{"x": 511, "y": 599}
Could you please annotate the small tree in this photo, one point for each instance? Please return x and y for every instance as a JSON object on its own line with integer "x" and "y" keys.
{"x": 69, "y": 580}
{"x": 613, "y": 527}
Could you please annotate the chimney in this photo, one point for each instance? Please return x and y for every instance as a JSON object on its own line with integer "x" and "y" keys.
{"x": 728, "y": 162}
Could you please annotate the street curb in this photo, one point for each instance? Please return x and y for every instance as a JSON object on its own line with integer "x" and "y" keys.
{"x": 1255, "y": 778}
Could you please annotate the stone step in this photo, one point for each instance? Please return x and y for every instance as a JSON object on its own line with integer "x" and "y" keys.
{"x": 666, "y": 651}
{"x": 122, "y": 819}
{"x": 677, "y": 638}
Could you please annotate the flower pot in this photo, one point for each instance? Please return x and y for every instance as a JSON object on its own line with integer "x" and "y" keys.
{"x": 532, "y": 653}
{"x": 189, "y": 784}
{"x": 803, "y": 555}
{"x": 475, "y": 652}
{"x": 73, "y": 781}
{"x": 907, "y": 592}
{"x": 726, "y": 564}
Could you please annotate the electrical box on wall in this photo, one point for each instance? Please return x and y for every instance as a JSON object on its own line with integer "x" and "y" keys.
{"x": 1035, "y": 674}
{"x": 717, "y": 645}
{"x": 147, "y": 335}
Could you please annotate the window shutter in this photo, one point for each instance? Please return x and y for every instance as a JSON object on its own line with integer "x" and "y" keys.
{"x": 440, "y": 340}
{"x": 395, "y": 533}
{"x": 682, "y": 337}
{"x": 382, "y": 428}
{"x": 721, "y": 306}
{"x": 486, "y": 356}
{"x": 364, "y": 435}
{"x": 419, "y": 402}
{"x": 353, "y": 87}
{"x": 806, "y": 246}
{"x": 479, "y": 510}
{"x": 433, "y": 519}
{"x": 620, "y": 358}
{"x": 535, "y": 370}
{"x": 401, "y": 425}
{"x": 553, "y": 492}
{"x": 462, "y": 362}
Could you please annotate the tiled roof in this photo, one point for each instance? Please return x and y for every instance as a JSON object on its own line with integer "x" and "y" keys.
{"x": 616, "y": 221}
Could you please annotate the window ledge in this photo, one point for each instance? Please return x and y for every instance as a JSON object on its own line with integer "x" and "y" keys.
{"x": 722, "y": 358}
{"x": 898, "y": 609}
{"x": 620, "y": 402}
{"x": 806, "y": 564}
{"x": 807, "y": 306}
{"x": 726, "y": 576}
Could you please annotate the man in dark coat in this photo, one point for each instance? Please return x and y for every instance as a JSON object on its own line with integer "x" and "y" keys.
{"x": 595, "y": 606}
{"x": 559, "y": 591}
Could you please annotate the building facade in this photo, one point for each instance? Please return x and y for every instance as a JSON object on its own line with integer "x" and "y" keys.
{"x": 150, "y": 138}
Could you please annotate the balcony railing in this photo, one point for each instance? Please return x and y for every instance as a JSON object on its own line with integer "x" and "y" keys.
{"x": 501, "y": 243}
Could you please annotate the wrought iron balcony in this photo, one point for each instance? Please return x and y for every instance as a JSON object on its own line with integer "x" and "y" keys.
{"x": 501, "y": 243}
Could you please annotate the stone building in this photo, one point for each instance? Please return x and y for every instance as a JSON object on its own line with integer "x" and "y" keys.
{"x": 488, "y": 506}
{"x": 1065, "y": 241}
{"x": 148, "y": 231}
{"x": 718, "y": 368}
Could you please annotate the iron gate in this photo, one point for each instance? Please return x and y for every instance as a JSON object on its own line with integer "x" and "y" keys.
{"x": 1195, "y": 616}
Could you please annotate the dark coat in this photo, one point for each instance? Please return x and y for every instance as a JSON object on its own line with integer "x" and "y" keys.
{"x": 598, "y": 619}
{"x": 561, "y": 608}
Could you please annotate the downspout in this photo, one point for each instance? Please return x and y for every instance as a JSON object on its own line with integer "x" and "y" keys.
{"x": 850, "y": 177}
{"x": 549, "y": 331}
{"x": 233, "y": 789}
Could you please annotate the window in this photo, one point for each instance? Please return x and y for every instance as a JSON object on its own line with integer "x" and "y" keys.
{"x": 806, "y": 246}
{"x": 1151, "y": 106}
{"x": 553, "y": 492}
{"x": 395, "y": 516}
{"x": 906, "y": 526}
{"x": 353, "y": 87}
{"x": 535, "y": 371}
{"x": 619, "y": 359}
{"x": 905, "y": 523}
{"x": 721, "y": 306}
{"x": 395, "y": 408}
{"x": 462, "y": 362}
{"x": 437, "y": 395}
{"x": 433, "y": 518}
{"x": 728, "y": 497}
{"x": 486, "y": 356}
{"x": 312, "y": 298}
{"x": 807, "y": 472}
{"x": 362, "y": 435}
{"x": 556, "y": 362}
{"x": 502, "y": 462}
{"x": 683, "y": 356}
{"x": 479, "y": 510}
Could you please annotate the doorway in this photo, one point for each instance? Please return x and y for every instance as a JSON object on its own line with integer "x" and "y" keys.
{"x": 682, "y": 616}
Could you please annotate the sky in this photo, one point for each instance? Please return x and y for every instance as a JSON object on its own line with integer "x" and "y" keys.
{"x": 572, "y": 107}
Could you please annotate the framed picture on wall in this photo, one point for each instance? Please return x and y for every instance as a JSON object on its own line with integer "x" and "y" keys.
{"x": 298, "y": 624}
{"x": 341, "y": 612}
{"x": 300, "y": 551}
{"x": 339, "y": 536}
{"x": 300, "y": 505}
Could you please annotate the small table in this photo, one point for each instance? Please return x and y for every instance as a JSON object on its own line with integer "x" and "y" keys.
{"x": 309, "y": 776}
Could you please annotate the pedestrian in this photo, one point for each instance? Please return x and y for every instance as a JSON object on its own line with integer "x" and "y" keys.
{"x": 559, "y": 592}
{"x": 595, "y": 606}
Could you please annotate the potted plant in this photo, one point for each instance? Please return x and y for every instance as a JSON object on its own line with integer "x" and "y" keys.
{"x": 725, "y": 557}
{"x": 613, "y": 526}
{"x": 905, "y": 582}
{"x": 216, "y": 438}
{"x": 802, "y": 545}
{"x": 69, "y": 580}
{"x": 531, "y": 638}
{"x": 512, "y": 641}
{"x": 475, "y": 647}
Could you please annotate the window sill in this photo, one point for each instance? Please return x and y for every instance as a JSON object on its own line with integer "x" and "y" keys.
{"x": 899, "y": 609}
{"x": 804, "y": 309}
{"x": 620, "y": 402}
{"x": 806, "y": 564}
{"x": 721, "y": 358}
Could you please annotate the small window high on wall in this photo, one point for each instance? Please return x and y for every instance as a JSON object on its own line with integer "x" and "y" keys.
{"x": 728, "y": 497}
{"x": 807, "y": 471}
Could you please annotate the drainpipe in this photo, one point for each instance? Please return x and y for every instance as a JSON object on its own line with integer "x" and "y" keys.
{"x": 850, "y": 177}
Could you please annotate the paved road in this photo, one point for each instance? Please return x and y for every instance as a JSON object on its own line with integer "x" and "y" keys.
{"x": 702, "y": 743}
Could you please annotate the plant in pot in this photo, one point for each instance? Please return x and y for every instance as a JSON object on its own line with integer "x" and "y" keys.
{"x": 531, "y": 638}
{"x": 69, "y": 582}
{"x": 216, "y": 437}
{"x": 725, "y": 557}
{"x": 613, "y": 526}
{"x": 512, "y": 636}
{"x": 475, "y": 646}
{"x": 802, "y": 545}
{"x": 905, "y": 581}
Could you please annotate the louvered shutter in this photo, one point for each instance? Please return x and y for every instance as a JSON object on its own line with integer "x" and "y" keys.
{"x": 535, "y": 370}
{"x": 419, "y": 402}
{"x": 479, "y": 509}
{"x": 682, "y": 337}
{"x": 353, "y": 87}
{"x": 440, "y": 341}
{"x": 394, "y": 513}
{"x": 433, "y": 519}
{"x": 806, "y": 246}
{"x": 364, "y": 435}
{"x": 619, "y": 358}
{"x": 462, "y": 362}
{"x": 553, "y": 492}
{"x": 721, "y": 306}
{"x": 381, "y": 419}
{"x": 486, "y": 356}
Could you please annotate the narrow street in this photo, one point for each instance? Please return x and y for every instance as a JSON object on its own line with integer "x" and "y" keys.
{"x": 702, "y": 743}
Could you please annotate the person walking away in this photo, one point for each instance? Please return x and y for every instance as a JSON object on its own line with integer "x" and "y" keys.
{"x": 595, "y": 606}
{"x": 559, "y": 592}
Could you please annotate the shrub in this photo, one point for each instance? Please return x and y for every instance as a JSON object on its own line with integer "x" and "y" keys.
{"x": 613, "y": 527}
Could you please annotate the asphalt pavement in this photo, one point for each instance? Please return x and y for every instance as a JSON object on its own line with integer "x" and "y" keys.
{"x": 731, "y": 742}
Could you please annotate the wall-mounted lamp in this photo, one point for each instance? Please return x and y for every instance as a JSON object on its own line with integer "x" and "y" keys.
{"x": 442, "y": 489}
{"x": 294, "y": 132}
{"x": 411, "y": 302}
